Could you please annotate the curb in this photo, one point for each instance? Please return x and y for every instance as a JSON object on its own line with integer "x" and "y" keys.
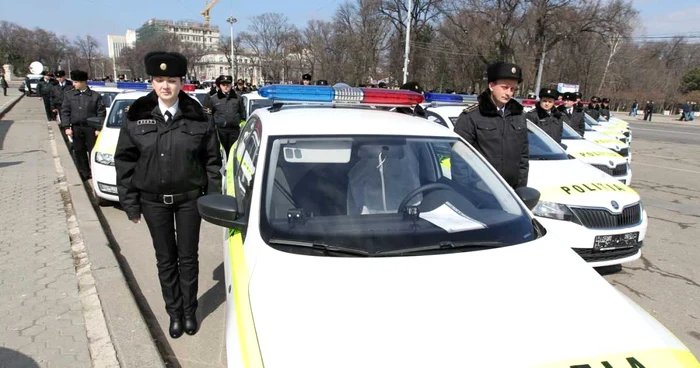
{"x": 8, "y": 105}
{"x": 130, "y": 336}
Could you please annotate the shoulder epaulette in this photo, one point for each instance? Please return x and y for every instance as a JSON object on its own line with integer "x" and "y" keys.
{"x": 471, "y": 108}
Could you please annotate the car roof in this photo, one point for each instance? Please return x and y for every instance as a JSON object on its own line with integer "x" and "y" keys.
{"x": 325, "y": 120}
{"x": 132, "y": 95}
{"x": 254, "y": 96}
{"x": 107, "y": 89}
{"x": 449, "y": 110}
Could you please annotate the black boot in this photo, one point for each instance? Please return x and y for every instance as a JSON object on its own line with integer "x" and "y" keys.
{"x": 176, "y": 327}
{"x": 191, "y": 324}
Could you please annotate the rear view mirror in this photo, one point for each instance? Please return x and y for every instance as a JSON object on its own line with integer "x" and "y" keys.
{"x": 529, "y": 196}
{"x": 221, "y": 210}
{"x": 95, "y": 122}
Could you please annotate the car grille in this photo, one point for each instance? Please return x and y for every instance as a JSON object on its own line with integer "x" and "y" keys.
{"x": 627, "y": 134}
{"x": 619, "y": 170}
{"x": 624, "y": 152}
{"x": 604, "y": 219}
{"x": 590, "y": 255}
{"x": 623, "y": 140}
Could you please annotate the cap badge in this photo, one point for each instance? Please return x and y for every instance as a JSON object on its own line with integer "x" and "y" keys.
{"x": 514, "y": 70}
{"x": 163, "y": 66}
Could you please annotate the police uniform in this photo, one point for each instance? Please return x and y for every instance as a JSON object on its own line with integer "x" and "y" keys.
{"x": 593, "y": 109}
{"x": 499, "y": 134}
{"x": 43, "y": 89}
{"x": 321, "y": 82}
{"x": 58, "y": 91}
{"x": 306, "y": 77}
{"x": 415, "y": 87}
{"x": 166, "y": 158}
{"x": 573, "y": 116}
{"x": 226, "y": 110}
{"x": 605, "y": 108}
{"x": 76, "y": 108}
{"x": 548, "y": 120}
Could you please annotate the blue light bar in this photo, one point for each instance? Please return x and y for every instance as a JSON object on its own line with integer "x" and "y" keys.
{"x": 449, "y": 97}
{"x": 95, "y": 84}
{"x": 133, "y": 85}
{"x": 341, "y": 95}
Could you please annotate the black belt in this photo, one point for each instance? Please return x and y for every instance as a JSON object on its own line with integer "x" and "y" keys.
{"x": 172, "y": 198}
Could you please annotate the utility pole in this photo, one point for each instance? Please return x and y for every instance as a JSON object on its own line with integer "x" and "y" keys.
{"x": 231, "y": 20}
{"x": 407, "y": 52}
{"x": 540, "y": 68}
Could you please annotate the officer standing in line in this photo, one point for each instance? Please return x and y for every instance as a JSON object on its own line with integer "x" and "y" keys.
{"x": 321, "y": 82}
{"x": 306, "y": 79}
{"x": 496, "y": 125}
{"x": 43, "y": 89}
{"x": 58, "y": 91}
{"x": 545, "y": 116}
{"x": 572, "y": 113}
{"x": 605, "y": 108}
{"x": 226, "y": 110}
{"x": 167, "y": 156}
{"x": 593, "y": 109}
{"x": 78, "y": 105}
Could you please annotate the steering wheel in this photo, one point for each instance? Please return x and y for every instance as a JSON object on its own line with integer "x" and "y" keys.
{"x": 419, "y": 190}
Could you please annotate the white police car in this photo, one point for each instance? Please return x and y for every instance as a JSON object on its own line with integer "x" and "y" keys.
{"x": 620, "y": 132}
{"x": 614, "y": 143}
{"x": 601, "y": 158}
{"x": 347, "y": 244}
{"x": 254, "y": 101}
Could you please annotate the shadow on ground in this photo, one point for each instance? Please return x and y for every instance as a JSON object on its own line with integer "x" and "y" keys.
{"x": 14, "y": 359}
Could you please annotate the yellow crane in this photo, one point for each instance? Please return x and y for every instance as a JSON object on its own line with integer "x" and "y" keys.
{"x": 206, "y": 10}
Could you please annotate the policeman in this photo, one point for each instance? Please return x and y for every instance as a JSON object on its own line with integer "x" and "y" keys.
{"x": 306, "y": 79}
{"x": 593, "y": 109}
{"x": 572, "y": 113}
{"x": 43, "y": 90}
{"x": 605, "y": 108}
{"x": 215, "y": 87}
{"x": 57, "y": 92}
{"x": 382, "y": 85}
{"x": 167, "y": 156}
{"x": 241, "y": 87}
{"x": 545, "y": 116}
{"x": 321, "y": 82}
{"x": 79, "y": 104}
{"x": 226, "y": 110}
{"x": 496, "y": 125}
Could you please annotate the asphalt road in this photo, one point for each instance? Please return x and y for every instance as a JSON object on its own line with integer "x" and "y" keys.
{"x": 665, "y": 282}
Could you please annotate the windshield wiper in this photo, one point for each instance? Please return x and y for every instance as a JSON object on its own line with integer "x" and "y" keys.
{"x": 320, "y": 246}
{"x": 444, "y": 245}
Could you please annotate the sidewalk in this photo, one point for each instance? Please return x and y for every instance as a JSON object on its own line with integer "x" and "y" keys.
{"x": 43, "y": 312}
{"x": 655, "y": 118}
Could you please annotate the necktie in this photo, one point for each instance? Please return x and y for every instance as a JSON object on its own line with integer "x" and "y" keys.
{"x": 168, "y": 116}
{"x": 569, "y": 111}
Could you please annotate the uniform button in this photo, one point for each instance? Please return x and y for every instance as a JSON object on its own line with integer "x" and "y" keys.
{"x": 162, "y": 154}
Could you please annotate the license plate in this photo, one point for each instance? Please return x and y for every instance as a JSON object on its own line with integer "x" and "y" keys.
{"x": 605, "y": 243}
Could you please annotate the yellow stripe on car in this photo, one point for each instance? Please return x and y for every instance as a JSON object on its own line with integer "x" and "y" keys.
{"x": 596, "y": 154}
{"x": 240, "y": 279}
{"x": 660, "y": 358}
{"x": 565, "y": 191}
{"x": 607, "y": 141}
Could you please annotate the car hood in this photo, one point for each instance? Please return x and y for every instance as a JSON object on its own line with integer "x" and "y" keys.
{"x": 605, "y": 140}
{"x": 576, "y": 183}
{"x": 522, "y": 306}
{"x": 592, "y": 153}
{"x": 107, "y": 140}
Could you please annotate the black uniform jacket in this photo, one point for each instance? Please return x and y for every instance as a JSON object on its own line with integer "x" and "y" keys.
{"x": 160, "y": 158}
{"x": 226, "y": 111}
{"x": 501, "y": 139}
{"x": 77, "y": 107}
{"x": 551, "y": 123}
{"x": 58, "y": 92}
{"x": 593, "y": 112}
{"x": 43, "y": 87}
{"x": 576, "y": 120}
{"x": 605, "y": 112}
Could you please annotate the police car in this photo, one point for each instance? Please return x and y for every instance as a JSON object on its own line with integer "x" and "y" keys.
{"x": 614, "y": 143}
{"x": 347, "y": 244}
{"x": 606, "y": 160}
{"x": 620, "y": 132}
{"x": 254, "y": 101}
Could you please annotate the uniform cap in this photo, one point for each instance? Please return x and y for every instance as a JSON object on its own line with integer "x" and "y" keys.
{"x": 240, "y": 81}
{"x": 502, "y": 70}
{"x": 412, "y": 86}
{"x": 578, "y": 95}
{"x": 569, "y": 96}
{"x": 60, "y": 73}
{"x": 306, "y": 77}
{"x": 382, "y": 85}
{"x": 606, "y": 100}
{"x": 548, "y": 92}
{"x": 595, "y": 99}
{"x": 321, "y": 82}
{"x": 78, "y": 75}
{"x": 165, "y": 64}
{"x": 225, "y": 79}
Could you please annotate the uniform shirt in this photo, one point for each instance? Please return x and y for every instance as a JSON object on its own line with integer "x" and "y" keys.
{"x": 173, "y": 109}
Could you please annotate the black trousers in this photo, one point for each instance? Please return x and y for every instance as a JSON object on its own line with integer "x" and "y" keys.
{"x": 227, "y": 137}
{"x": 4, "y": 91}
{"x": 647, "y": 114}
{"x": 175, "y": 232}
{"x": 47, "y": 107}
{"x": 83, "y": 142}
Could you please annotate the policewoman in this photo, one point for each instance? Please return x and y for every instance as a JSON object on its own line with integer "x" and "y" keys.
{"x": 167, "y": 156}
{"x": 227, "y": 110}
{"x": 546, "y": 116}
{"x": 496, "y": 126}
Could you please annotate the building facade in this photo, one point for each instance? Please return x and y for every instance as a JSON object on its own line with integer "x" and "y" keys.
{"x": 186, "y": 31}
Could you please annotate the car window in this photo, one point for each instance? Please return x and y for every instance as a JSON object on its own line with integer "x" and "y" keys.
{"x": 569, "y": 133}
{"x": 108, "y": 97}
{"x": 199, "y": 97}
{"x": 117, "y": 113}
{"x": 363, "y": 192}
{"x": 246, "y": 150}
{"x": 590, "y": 120}
{"x": 435, "y": 118}
{"x": 258, "y": 104}
{"x": 542, "y": 146}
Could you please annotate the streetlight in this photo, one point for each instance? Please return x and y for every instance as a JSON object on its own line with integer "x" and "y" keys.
{"x": 232, "y": 20}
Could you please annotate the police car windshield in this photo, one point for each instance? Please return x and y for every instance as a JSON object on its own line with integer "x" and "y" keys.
{"x": 108, "y": 97}
{"x": 383, "y": 194}
{"x": 542, "y": 146}
{"x": 569, "y": 133}
{"x": 117, "y": 113}
{"x": 590, "y": 120}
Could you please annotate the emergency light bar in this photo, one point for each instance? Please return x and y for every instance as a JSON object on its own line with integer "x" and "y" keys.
{"x": 340, "y": 95}
{"x": 120, "y": 85}
{"x": 188, "y": 87}
{"x": 449, "y": 97}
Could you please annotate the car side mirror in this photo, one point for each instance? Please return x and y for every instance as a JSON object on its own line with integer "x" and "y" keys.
{"x": 221, "y": 210}
{"x": 529, "y": 196}
{"x": 95, "y": 122}
{"x": 564, "y": 146}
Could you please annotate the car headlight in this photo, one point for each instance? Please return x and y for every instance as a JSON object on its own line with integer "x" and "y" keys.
{"x": 553, "y": 210}
{"x": 104, "y": 158}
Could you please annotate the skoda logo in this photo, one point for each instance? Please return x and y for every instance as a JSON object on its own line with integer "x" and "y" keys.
{"x": 615, "y": 205}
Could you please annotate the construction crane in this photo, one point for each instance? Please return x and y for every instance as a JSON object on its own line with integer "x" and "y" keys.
{"x": 206, "y": 10}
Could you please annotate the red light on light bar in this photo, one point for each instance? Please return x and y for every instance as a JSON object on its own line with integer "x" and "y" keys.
{"x": 188, "y": 87}
{"x": 390, "y": 97}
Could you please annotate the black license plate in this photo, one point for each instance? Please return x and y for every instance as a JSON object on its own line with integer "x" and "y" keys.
{"x": 605, "y": 243}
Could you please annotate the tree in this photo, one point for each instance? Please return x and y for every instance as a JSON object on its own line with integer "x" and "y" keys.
{"x": 225, "y": 48}
{"x": 691, "y": 81}
{"x": 88, "y": 49}
{"x": 268, "y": 37}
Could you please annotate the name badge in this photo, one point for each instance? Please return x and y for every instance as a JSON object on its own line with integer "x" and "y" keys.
{"x": 145, "y": 121}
